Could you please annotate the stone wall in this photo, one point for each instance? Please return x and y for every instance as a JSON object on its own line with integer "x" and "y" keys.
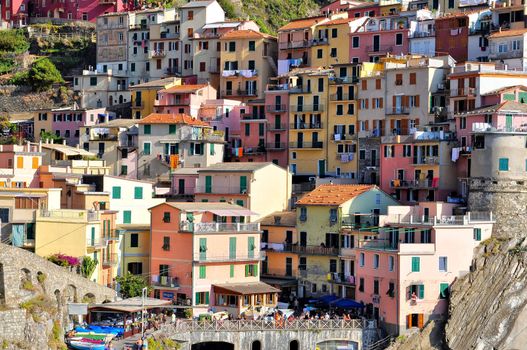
{"x": 18, "y": 265}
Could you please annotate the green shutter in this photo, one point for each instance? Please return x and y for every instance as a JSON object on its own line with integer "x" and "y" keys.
{"x": 232, "y": 248}
{"x": 212, "y": 149}
{"x": 124, "y": 169}
{"x": 477, "y": 234}
{"x": 207, "y": 298}
{"x": 208, "y": 184}
{"x": 247, "y": 129}
{"x": 203, "y": 271}
{"x": 204, "y": 200}
{"x": 239, "y": 202}
{"x": 247, "y": 270}
{"x": 261, "y": 130}
{"x": 127, "y": 217}
{"x": 116, "y": 192}
{"x": 232, "y": 271}
{"x": 198, "y": 301}
{"x": 421, "y": 291}
{"x": 104, "y": 228}
{"x": 504, "y": 164}
{"x": 243, "y": 184}
{"x": 202, "y": 249}
{"x": 416, "y": 264}
{"x": 522, "y": 97}
{"x": 138, "y": 193}
{"x": 172, "y": 129}
{"x": 250, "y": 247}
{"x": 255, "y": 269}
{"x": 443, "y": 290}
{"x": 146, "y": 148}
{"x": 509, "y": 97}
{"x": 93, "y": 236}
{"x": 108, "y": 222}
{"x": 147, "y": 129}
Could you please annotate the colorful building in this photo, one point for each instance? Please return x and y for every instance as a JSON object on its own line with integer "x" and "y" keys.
{"x": 183, "y": 99}
{"x": 144, "y": 96}
{"x": 135, "y": 248}
{"x": 247, "y": 185}
{"x": 330, "y": 221}
{"x": 19, "y": 165}
{"x": 248, "y": 60}
{"x": 101, "y": 89}
{"x": 219, "y": 270}
{"x": 508, "y": 47}
{"x": 405, "y": 272}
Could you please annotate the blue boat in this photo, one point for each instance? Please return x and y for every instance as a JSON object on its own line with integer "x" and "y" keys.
{"x": 80, "y": 345}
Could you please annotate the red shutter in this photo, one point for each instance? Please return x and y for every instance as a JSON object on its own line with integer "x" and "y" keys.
{"x": 367, "y": 103}
{"x": 366, "y": 126}
{"x": 381, "y": 102}
{"x": 417, "y": 100}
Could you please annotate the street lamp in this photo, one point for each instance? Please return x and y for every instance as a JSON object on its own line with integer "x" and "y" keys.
{"x": 143, "y": 296}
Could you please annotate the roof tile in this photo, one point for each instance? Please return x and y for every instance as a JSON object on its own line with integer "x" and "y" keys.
{"x": 246, "y": 34}
{"x": 332, "y": 194}
{"x": 159, "y": 118}
{"x": 303, "y": 23}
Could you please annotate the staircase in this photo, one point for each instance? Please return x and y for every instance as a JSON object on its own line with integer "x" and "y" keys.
{"x": 272, "y": 63}
{"x": 379, "y": 344}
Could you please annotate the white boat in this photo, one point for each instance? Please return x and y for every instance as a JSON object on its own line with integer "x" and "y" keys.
{"x": 80, "y": 345}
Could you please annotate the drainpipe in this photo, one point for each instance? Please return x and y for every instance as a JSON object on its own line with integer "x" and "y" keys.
{"x": 40, "y": 145}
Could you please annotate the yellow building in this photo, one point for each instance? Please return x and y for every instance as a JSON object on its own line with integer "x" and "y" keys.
{"x": 308, "y": 118}
{"x": 135, "y": 248}
{"x": 247, "y": 62}
{"x": 280, "y": 241}
{"x": 144, "y": 95}
{"x": 326, "y": 222}
{"x": 342, "y": 121}
{"x": 76, "y": 233}
{"x": 389, "y": 7}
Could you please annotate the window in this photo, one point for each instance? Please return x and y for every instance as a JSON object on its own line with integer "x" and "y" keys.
{"x": 231, "y": 271}
{"x": 132, "y": 67}
{"x": 398, "y": 79}
{"x": 398, "y": 39}
{"x": 376, "y": 287}
{"x": 135, "y": 268}
{"x": 443, "y": 264}
{"x": 477, "y": 234}
{"x": 190, "y": 15}
{"x": 391, "y": 263}
{"x": 251, "y": 65}
{"x": 444, "y": 290}
{"x": 416, "y": 291}
{"x": 391, "y": 290}
{"x": 416, "y": 264}
{"x": 147, "y": 129}
{"x": 251, "y": 270}
{"x": 4, "y": 215}
{"x": 463, "y": 123}
{"x": 376, "y": 261}
{"x": 361, "y": 284}
{"x": 252, "y": 45}
{"x": 127, "y": 217}
{"x": 138, "y": 193}
{"x": 232, "y": 46}
{"x": 303, "y": 213}
{"x": 313, "y": 287}
{"x": 166, "y": 243}
{"x": 146, "y": 148}
{"x": 172, "y": 129}
{"x": 202, "y": 272}
{"x": 202, "y": 298}
{"x": 116, "y": 192}
{"x": 413, "y": 78}
{"x": 503, "y": 164}
{"x": 166, "y": 217}
{"x": 93, "y": 81}
{"x": 334, "y": 32}
{"x": 333, "y": 52}
{"x": 247, "y": 129}
{"x": 124, "y": 169}
{"x": 355, "y": 42}
{"x": 407, "y": 151}
{"x": 319, "y": 53}
{"x": 361, "y": 259}
{"x": 389, "y": 151}
{"x": 134, "y": 240}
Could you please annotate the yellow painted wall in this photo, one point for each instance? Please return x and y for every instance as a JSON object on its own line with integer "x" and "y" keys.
{"x": 135, "y": 254}
{"x": 341, "y": 43}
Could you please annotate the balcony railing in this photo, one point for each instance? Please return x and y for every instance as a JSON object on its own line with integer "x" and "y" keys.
{"x": 262, "y": 325}
{"x": 398, "y": 110}
{"x": 276, "y": 146}
{"x": 222, "y": 189}
{"x": 276, "y": 127}
{"x": 251, "y": 116}
{"x": 96, "y": 242}
{"x": 341, "y": 97}
{"x": 254, "y": 150}
{"x": 103, "y": 137}
{"x": 70, "y": 214}
{"x": 308, "y": 108}
{"x": 113, "y": 235}
{"x": 110, "y": 260}
{"x": 505, "y": 55}
{"x": 342, "y": 137}
{"x": 360, "y": 222}
{"x": 463, "y": 92}
{"x": 239, "y": 93}
{"x": 424, "y": 34}
{"x": 379, "y": 49}
{"x": 279, "y": 273}
{"x": 173, "y": 71}
{"x": 157, "y": 54}
{"x": 200, "y": 257}
{"x": 314, "y": 250}
{"x": 302, "y": 126}
{"x": 319, "y": 41}
{"x": 342, "y": 278}
{"x": 164, "y": 281}
{"x": 306, "y": 145}
{"x": 276, "y": 108}
{"x": 344, "y": 80}
{"x": 294, "y": 44}
{"x": 424, "y": 184}
{"x": 431, "y": 160}
{"x": 204, "y": 227}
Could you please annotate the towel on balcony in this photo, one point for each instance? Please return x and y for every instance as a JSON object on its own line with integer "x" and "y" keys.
{"x": 279, "y": 247}
{"x": 350, "y": 156}
{"x": 344, "y": 158}
{"x": 240, "y": 151}
{"x": 283, "y": 66}
{"x": 435, "y": 182}
{"x": 396, "y": 183}
{"x": 228, "y": 73}
{"x": 174, "y": 160}
{"x": 143, "y": 44}
{"x": 337, "y": 137}
{"x": 247, "y": 73}
{"x": 295, "y": 62}
{"x": 455, "y": 154}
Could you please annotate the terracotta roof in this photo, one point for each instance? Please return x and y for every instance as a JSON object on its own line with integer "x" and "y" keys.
{"x": 503, "y": 89}
{"x": 331, "y": 194}
{"x": 279, "y": 218}
{"x": 184, "y": 88}
{"x": 158, "y": 118}
{"x": 236, "y": 167}
{"x": 338, "y": 21}
{"x": 302, "y": 23}
{"x": 245, "y": 288}
{"x": 207, "y": 112}
{"x": 506, "y": 106}
{"x": 510, "y": 32}
{"x": 160, "y": 83}
{"x": 246, "y": 34}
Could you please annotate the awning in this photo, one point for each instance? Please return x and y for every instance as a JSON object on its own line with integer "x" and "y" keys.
{"x": 232, "y": 212}
{"x": 281, "y": 282}
{"x": 244, "y": 288}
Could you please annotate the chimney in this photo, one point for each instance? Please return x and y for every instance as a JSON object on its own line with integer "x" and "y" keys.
{"x": 277, "y": 220}
{"x": 64, "y": 142}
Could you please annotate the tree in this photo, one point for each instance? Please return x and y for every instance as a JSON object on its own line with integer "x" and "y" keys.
{"x": 46, "y": 135}
{"x": 43, "y": 74}
{"x": 131, "y": 285}
{"x": 88, "y": 265}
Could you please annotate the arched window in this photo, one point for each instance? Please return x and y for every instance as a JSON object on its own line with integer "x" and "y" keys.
{"x": 293, "y": 345}
{"x": 256, "y": 345}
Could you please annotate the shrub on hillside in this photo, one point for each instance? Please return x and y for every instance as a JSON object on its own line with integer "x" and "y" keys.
{"x": 43, "y": 74}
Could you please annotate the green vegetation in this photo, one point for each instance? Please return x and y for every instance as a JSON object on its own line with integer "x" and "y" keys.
{"x": 37, "y": 305}
{"x": 5, "y": 344}
{"x": 28, "y": 285}
{"x": 88, "y": 299}
{"x": 165, "y": 3}
{"x": 162, "y": 344}
{"x": 41, "y": 277}
{"x": 131, "y": 285}
{"x": 43, "y": 74}
{"x": 13, "y": 42}
{"x": 88, "y": 266}
{"x": 46, "y": 135}
{"x": 54, "y": 341}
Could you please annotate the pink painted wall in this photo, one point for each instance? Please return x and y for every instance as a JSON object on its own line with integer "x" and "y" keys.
{"x": 77, "y": 8}
{"x": 389, "y": 167}
{"x": 294, "y": 39}
{"x": 190, "y": 183}
{"x": 72, "y": 126}
{"x": 131, "y": 162}
{"x": 387, "y": 39}
{"x": 271, "y": 116}
{"x": 352, "y": 13}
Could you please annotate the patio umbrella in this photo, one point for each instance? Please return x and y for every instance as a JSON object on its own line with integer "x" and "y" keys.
{"x": 347, "y": 304}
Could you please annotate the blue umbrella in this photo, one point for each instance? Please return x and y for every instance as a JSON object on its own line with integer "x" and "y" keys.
{"x": 346, "y": 304}
{"x": 326, "y": 299}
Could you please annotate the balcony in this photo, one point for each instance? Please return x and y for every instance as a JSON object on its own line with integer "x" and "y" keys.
{"x": 345, "y": 157}
{"x": 294, "y": 45}
{"x": 306, "y": 145}
{"x": 470, "y": 217}
{"x": 308, "y": 108}
{"x": 396, "y": 246}
{"x": 254, "y": 150}
{"x": 379, "y": 49}
{"x": 239, "y": 93}
{"x": 347, "y": 253}
{"x": 398, "y": 110}
{"x": 104, "y": 137}
{"x": 341, "y": 97}
{"x": 314, "y": 250}
{"x": 505, "y": 55}
{"x": 243, "y": 73}
{"x": 203, "y": 257}
{"x": 342, "y": 137}
{"x": 279, "y": 273}
{"x": 110, "y": 260}
{"x": 276, "y": 127}
{"x": 95, "y": 243}
{"x": 172, "y": 71}
{"x": 344, "y": 80}
{"x": 414, "y": 184}
{"x": 276, "y": 108}
{"x": 341, "y": 278}
{"x": 222, "y": 189}
{"x": 360, "y": 222}
{"x": 251, "y": 117}
{"x": 319, "y": 41}
{"x": 212, "y": 227}
{"x": 432, "y": 160}
{"x": 157, "y": 54}
{"x": 164, "y": 281}
{"x": 174, "y": 103}
{"x": 113, "y": 235}
{"x": 463, "y": 92}
{"x": 69, "y": 214}
{"x": 422, "y": 34}
{"x": 276, "y": 146}
{"x": 306, "y": 126}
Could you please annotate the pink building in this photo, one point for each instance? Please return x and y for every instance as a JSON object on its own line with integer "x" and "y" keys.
{"x": 66, "y": 122}
{"x": 253, "y": 130}
{"x": 184, "y": 182}
{"x": 277, "y": 116}
{"x": 183, "y": 99}
{"x": 15, "y": 13}
{"x": 378, "y": 37}
{"x": 370, "y": 9}
{"x": 404, "y": 274}
{"x": 19, "y": 165}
